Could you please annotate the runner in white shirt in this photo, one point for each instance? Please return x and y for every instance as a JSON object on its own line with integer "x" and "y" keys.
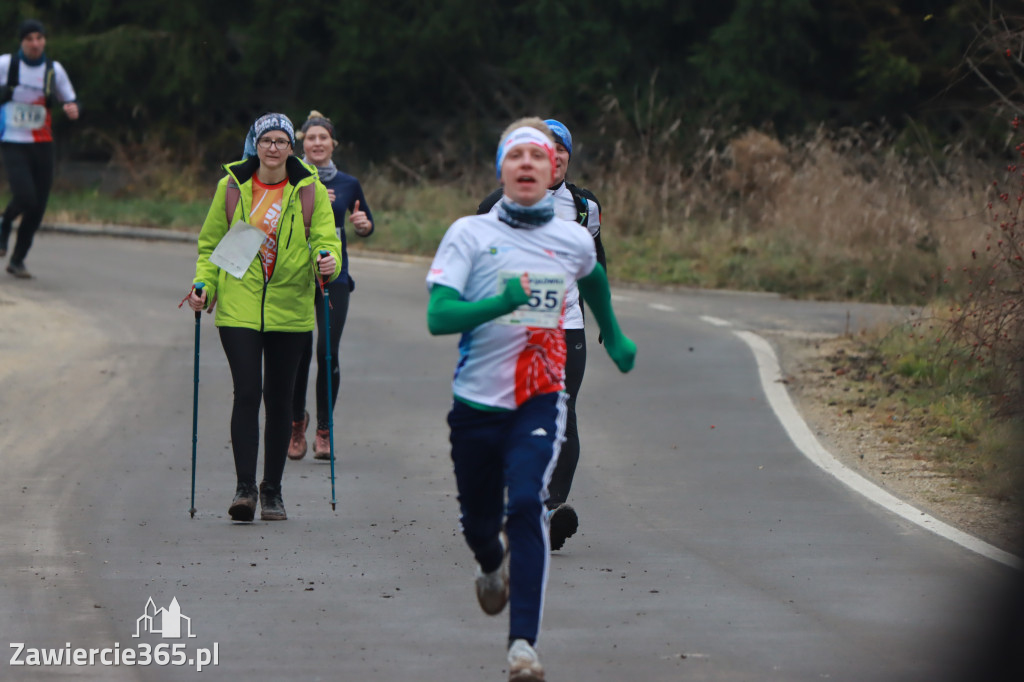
{"x": 500, "y": 280}
{"x": 30, "y": 83}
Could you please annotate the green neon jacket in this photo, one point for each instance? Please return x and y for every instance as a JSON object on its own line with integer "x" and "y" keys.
{"x": 285, "y": 303}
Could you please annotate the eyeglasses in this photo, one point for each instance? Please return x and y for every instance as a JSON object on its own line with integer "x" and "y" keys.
{"x": 267, "y": 143}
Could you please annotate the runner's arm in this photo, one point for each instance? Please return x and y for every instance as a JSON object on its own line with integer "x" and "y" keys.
{"x": 448, "y": 314}
{"x": 594, "y": 290}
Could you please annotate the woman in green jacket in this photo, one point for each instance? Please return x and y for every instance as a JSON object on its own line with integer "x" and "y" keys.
{"x": 264, "y": 312}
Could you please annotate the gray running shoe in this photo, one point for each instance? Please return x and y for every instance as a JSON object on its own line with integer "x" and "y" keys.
{"x": 271, "y": 504}
{"x": 564, "y": 523}
{"x": 243, "y": 507}
{"x": 19, "y": 270}
{"x": 523, "y": 663}
{"x": 492, "y": 588}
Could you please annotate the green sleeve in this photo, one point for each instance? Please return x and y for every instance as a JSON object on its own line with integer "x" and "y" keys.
{"x": 594, "y": 290}
{"x": 448, "y": 314}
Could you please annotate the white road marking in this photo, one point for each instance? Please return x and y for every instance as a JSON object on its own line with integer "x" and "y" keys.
{"x": 717, "y": 321}
{"x": 386, "y": 262}
{"x": 662, "y": 307}
{"x": 800, "y": 434}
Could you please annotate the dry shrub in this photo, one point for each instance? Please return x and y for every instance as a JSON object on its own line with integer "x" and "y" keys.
{"x": 156, "y": 166}
{"x": 828, "y": 215}
{"x": 989, "y": 321}
{"x": 878, "y": 223}
{"x": 759, "y": 169}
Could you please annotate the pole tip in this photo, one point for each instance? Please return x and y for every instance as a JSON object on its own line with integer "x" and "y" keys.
{"x": 192, "y": 513}
{"x": 333, "y": 508}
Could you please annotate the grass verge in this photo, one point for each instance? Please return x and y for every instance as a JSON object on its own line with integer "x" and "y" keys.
{"x": 924, "y": 389}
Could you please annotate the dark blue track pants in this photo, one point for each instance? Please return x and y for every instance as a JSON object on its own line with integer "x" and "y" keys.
{"x": 514, "y": 451}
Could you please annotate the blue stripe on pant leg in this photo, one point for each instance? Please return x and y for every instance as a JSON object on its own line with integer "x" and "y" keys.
{"x": 532, "y": 451}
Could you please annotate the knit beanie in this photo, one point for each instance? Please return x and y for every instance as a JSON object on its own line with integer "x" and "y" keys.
{"x": 267, "y": 122}
{"x": 30, "y": 26}
{"x": 561, "y": 133}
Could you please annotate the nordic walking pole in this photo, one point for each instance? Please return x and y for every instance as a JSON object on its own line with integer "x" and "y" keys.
{"x": 195, "y": 404}
{"x": 328, "y": 372}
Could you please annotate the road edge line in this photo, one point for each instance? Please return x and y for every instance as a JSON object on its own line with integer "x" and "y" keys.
{"x": 800, "y": 433}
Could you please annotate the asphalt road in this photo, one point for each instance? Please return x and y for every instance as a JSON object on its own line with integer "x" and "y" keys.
{"x": 709, "y": 547}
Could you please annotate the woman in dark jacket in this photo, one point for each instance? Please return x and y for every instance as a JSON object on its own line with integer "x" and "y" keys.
{"x": 346, "y": 194}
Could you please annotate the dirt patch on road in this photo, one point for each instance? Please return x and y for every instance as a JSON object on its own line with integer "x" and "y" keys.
{"x": 899, "y": 456}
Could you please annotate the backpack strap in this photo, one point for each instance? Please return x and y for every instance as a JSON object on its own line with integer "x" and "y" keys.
{"x": 7, "y": 92}
{"x": 232, "y": 195}
{"x": 307, "y": 198}
{"x": 582, "y": 206}
{"x": 48, "y": 83}
{"x": 14, "y": 77}
{"x": 489, "y": 201}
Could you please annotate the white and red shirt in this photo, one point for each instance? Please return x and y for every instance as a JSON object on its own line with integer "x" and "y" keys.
{"x": 25, "y": 117}
{"x": 565, "y": 208}
{"x": 507, "y": 361}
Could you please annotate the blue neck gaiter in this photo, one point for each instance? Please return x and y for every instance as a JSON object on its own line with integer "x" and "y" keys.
{"x": 526, "y": 217}
{"x": 31, "y": 62}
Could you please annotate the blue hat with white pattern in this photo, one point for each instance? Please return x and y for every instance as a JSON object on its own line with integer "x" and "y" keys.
{"x": 561, "y": 133}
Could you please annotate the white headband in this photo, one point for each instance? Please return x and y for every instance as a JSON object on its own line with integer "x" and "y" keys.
{"x": 524, "y": 135}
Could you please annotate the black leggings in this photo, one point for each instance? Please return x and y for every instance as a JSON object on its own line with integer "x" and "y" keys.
{"x": 30, "y": 171}
{"x": 263, "y": 368}
{"x": 575, "y": 364}
{"x": 339, "y": 292}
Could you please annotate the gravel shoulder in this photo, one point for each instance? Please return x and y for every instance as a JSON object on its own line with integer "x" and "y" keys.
{"x": 897, "y": 456}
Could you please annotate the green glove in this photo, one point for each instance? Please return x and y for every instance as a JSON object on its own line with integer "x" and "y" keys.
{"x": 514, "y": 294}
{"x": 622, "y": 351}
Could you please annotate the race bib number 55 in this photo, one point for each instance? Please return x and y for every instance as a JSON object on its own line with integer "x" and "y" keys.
{"x": 24, "y": 116}
{"x": 544, "y": 309}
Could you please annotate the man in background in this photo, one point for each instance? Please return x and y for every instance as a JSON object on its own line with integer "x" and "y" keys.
{"x": 30, "y": 84}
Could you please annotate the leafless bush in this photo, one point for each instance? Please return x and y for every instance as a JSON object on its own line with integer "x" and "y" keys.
{"x": 159, "y": 167}
{"x": 990, "y": 318}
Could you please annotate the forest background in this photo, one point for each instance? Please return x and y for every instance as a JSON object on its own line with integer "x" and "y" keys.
{"x": 835, "y": 149}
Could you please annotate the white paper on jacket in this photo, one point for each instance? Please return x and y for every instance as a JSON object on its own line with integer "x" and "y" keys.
{"x": 237, "y": 248}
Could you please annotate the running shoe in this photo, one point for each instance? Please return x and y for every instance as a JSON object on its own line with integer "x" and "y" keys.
{"x": 322, "y": 444}
{"x": 243, "y": 507}
{"x": 271, "y": 504}
{"x": 492, "y": 588}
{"x": 523, "y": 663}
{"x": 297, "y": 444}
{"x": 564, "y": 523}
{"x": 19, "y": 270}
